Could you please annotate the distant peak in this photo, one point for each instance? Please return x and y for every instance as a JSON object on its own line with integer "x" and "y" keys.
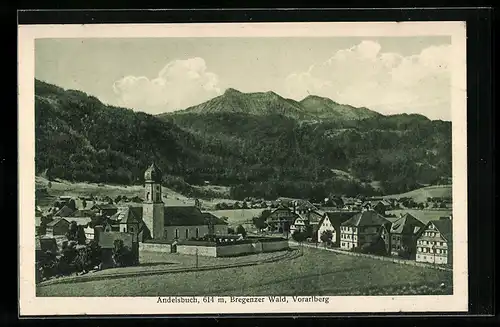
{"x": 231, "y": 90}
{"x": 317, "y": 97}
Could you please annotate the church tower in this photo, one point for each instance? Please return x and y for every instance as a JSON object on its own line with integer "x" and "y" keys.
{"x": 153, "y": 207}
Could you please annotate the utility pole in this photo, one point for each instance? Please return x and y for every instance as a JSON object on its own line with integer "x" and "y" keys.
{"x": 196, "y": 257}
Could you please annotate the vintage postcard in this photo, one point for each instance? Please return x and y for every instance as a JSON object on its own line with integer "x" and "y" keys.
{"x": 242, "y": 168}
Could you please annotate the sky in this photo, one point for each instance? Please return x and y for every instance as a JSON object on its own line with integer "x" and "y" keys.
{"x": 387, "y": 74}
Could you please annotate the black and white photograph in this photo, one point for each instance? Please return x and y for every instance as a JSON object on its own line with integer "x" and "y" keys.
{"x": 200, "y": 168}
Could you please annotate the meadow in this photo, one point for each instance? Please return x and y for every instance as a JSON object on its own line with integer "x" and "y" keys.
{"x": 317, "y": 272}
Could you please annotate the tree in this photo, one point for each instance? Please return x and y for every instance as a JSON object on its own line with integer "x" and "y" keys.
{"x": 241, "y": 230}
{"x": 299, "y": 236}
{"x": 121, "y": 254}
{"x": 326, "y": 237}
{"x": 80, "y": 236}
{"x": 260, "y": 220}
{"x": 72, "y": 233}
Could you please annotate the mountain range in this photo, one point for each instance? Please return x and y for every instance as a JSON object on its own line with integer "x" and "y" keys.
{"x": 259, "y": 144}
{"x": 269, "y": 103}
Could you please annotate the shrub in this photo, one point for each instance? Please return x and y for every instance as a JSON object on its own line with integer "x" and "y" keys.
{"x": 241, "y": 230}
{"x": 122, "y": 255}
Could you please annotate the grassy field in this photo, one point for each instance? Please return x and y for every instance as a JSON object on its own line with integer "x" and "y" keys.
{"x": 62, "y": 187}
{"x": 421, "y": 194}
{"x": 316, "y": 273}
{"x": 155, "y": 261}
{"x": 238, "y": 216}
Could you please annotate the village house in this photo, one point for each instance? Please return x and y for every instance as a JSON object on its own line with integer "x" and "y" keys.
{"x": 404, "y": 233}
{"x": 325, "y": 225}
{"x": 380, "y": 206}
{"x": 65, "y": 211}
{"x": 280, "y": 219}
{"x": 364, "y": 228}
{"x": 300, "y": 225}
{"x": 105, "y": 209}
{"x": 58, "y": 226}
{"x": 334, "y": 222}
{"x": 435, "y": 243}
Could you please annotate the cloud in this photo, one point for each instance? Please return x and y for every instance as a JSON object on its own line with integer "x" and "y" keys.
{"x": 387, "y": 82}
{"x": 180, "y": 84}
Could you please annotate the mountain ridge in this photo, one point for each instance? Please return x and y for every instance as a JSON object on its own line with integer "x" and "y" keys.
{"x": 312, "y": 107}
{"x": 79, "y": 138}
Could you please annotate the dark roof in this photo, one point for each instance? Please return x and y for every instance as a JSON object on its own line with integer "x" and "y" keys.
{"x": 80, "y": 221}
{"x": 83, "y": 213}
{"x": 338, "y": 217}
{"x": 183, "y": 216}
{"x": 105, "y": 206}
{"x": 65, "y": 211}
{"x": 407, "y": 224}
{"x": 210, "y": 218}
{"x": 322, "y": 220}
{"x": 128, "y": 215}
{"x": 366, "y": 218}
{"x": 444, "y": 226}
{"x": 56, "y": 221}
{"x": 46, "y": 244}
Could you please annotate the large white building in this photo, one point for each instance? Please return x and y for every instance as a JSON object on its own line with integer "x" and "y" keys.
{"x": 435, "y": 243}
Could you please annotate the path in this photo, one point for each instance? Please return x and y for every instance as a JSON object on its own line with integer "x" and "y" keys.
{"x": 119, "y": 273}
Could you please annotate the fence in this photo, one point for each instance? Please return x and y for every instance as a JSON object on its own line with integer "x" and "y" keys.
{"x": 377, "y": 257}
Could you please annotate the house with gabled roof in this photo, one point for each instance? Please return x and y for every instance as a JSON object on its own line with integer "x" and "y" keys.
{"x": 435, "y": 243}
{"x": 336, "y": 218}
{"x": 281, "y": 218}
{"x": 58, "y": 226}
{"x": 404, "y": 233}
{"x": 364, "y": 229}
{"x": 379, "y": 206}
{"x": 65, "y": 211}
{"x": 106, "y": 209}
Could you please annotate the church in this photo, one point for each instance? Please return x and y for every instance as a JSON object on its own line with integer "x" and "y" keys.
{"x": 153, "y": 220}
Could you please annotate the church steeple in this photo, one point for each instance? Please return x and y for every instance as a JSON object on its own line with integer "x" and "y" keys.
{"x": 153, "y": 207}
{"x": 153, "y": 174}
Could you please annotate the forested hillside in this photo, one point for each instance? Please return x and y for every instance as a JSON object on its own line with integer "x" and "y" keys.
{"x": 263, "y": 153}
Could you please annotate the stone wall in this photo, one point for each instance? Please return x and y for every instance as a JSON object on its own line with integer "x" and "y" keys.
{"x": 206, "y": 251}
{"x": 155, "y": 247}
{"x": 274, "y": 246}
{"x": 235, "y": 249}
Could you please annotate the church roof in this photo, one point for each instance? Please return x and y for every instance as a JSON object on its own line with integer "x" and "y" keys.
{"x": 173, "y": 216}
{"x": 210, "y": 218}
{"x": 183, "y": 216}
{"x": 153, "y": 173}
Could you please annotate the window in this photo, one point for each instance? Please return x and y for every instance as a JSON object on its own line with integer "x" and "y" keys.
{"x": 187, "y": 233}
{"x": 197, "y": 232}
{"x": 147, "y": 196}
{"x": 157, "y": 196}
{"x": 176, "y": 233}
{"x": 158, "y": 188}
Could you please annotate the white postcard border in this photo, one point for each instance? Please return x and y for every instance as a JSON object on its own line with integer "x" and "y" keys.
{"x": 31, "y": 305}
